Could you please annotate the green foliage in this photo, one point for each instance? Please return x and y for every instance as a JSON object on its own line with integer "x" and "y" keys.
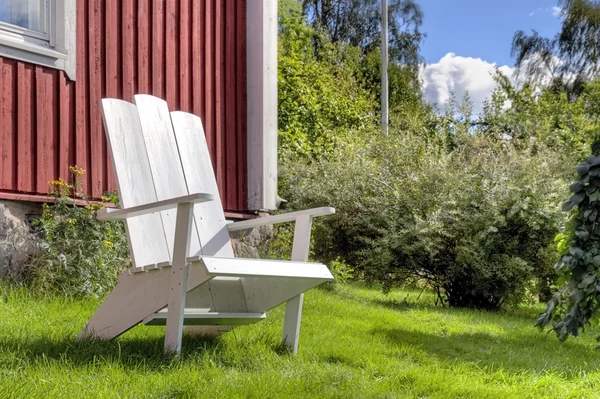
{"x": 79, "y": 256}
{"x": 474, "y": 222}
{"x": 358, "y": 23}
{"x": 319, "y": 97}
{"x": 571, "y": 56}
{"x": 576, "y": 304}
{"x": 543, "y": 117}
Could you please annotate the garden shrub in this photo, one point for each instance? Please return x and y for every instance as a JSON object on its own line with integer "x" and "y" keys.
{"x": 79, "y": 256}
{"x": 575, "y": 306}
{"x": 476, "y": 223}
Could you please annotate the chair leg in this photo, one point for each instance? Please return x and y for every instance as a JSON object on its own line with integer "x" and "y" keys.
{"x": 293, "y": 307}
{"x": 179, "y": 277}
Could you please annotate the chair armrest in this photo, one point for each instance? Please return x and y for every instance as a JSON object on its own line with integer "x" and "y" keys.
{"x": 118, "y": 214}
{"x": 284, "y": 217}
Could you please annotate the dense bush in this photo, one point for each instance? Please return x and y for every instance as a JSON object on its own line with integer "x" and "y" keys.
{"x": 79, "y": 255}
{"x": 476, "y": 223}
{"x": 575, "y": 306}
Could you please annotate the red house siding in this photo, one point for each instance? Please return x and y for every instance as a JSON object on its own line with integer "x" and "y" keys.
{"x": 191, "y": 53}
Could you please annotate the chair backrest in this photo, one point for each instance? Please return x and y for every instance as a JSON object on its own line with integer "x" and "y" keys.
{"x": 159, "y": 155}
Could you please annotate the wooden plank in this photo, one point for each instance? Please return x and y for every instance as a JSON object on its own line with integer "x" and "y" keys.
{"x": 229, "y": 112}
{"x": 128, "y": 55}
{"x": 163, "y": 158}
{"x": 198, "y": 57}
{"x": 96, "y": 172}
{"x": 293, "y": 307}
{"x": 282, "y": 218}
{"x": 134, "y": 179}
{"x": 82, "y": 96}
{"x": 185, "y": 63}
{"x": 8, "y": 124}
{"x": 209, "y": 76}
{"x": 158, "y": 48}
{"x": 112, "y": 46}
{"x": 129, "y": 303}
{"x": 179, "y": 277}
{"x": 200, "y": 177}
{"x": 172, "y": 54}
{"x": 219, "y": 154}
{"x": 44, "y": 148}
{"x": 26, "y": 127}
{"x": 242, "y": 267}
{"x": 66, "y": 126}
{"x": 144, "y": 49}
{"x": 198, "y": 317}
{"x": 171, "y": 203}
{"x": 241, "y": 101}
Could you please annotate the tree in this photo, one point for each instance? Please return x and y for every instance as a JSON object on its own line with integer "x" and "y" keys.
{"x": 356, "y": 22}
{"x": 571, "y": 57}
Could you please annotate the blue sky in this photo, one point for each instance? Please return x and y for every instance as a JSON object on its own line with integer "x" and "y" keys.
{"x": 466, "y": 39}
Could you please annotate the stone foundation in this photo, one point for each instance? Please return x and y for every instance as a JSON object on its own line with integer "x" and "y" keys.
{"x": 247, "y": 242}
{"x": 17, "y": 237}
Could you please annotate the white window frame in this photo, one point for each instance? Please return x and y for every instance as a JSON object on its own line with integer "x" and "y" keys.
{"x": 54, "y": 49}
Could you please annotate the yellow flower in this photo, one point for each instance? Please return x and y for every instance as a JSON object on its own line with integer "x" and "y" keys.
{"x": 59, "y": 183}
{"x": 71, "y": 221}
{"x": 107, "y": 244}
{"x": 76, "y": 171}
{"x": 94, "y": 207}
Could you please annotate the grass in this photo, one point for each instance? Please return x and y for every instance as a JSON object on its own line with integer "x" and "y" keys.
{"x": 355, "y": 343}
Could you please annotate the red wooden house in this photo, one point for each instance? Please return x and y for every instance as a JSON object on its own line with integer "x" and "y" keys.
{"x": 214, "y": 58}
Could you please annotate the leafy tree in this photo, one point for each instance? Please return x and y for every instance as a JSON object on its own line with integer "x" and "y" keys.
{"x": 320, "y": 98}
{"x": 357, "y": 23}
{"x": 571, "y": 57}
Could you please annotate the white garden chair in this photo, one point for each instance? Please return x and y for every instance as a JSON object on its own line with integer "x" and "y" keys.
{"x": 184, "y": 271}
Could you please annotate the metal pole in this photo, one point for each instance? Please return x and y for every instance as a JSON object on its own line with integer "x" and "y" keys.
{"x": 384, "y": 67}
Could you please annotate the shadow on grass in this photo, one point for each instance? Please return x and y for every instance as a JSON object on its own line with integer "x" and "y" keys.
{"x": 129, "y": 353}
{"x": 133, "y": 352}
{"x": 529, "y": 314}
{"x": 537, "y": 353}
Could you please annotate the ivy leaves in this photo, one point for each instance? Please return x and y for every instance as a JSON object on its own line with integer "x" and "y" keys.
{"x": 576, "y": 305}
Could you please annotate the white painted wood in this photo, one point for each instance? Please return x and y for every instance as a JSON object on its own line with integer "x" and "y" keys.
{"x": 261, "y": 42}
{"x": 200, "y": 317}
{"x": 241, "y": 267}
{"x": 293, "y": 307}
{"x": 160, "y": 158}
{"x": 200, "y": 177}
{"x": 282, "y": 218}
{"x": 135, "y": 297}
{"x": 265, "y": 293}
{"x": 163, "y": 157}
{"x": 147, "y": 241}
{"x": 57, "y": 49}
{"x": 179, "y": 276}
{"x": 118, "y": 214}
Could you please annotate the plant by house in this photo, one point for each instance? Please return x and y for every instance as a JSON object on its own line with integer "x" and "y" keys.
{"x": 79, "y": 256}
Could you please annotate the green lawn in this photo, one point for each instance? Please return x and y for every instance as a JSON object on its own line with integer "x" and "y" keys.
{"x": 355, "y": 343}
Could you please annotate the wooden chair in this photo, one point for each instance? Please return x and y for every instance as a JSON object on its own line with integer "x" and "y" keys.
{"x": 184, "y": 271}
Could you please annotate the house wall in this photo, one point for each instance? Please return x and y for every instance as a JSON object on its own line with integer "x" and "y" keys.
{"x": 192, "y": 53}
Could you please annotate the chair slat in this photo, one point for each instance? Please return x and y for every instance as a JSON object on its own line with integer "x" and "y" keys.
{"x": 165, "y": 164}
{"x": 200, "y": 177}
{"x": 147, "y": 240}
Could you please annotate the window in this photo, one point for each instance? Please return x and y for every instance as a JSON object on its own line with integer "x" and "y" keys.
{"x": 40, "y": 32}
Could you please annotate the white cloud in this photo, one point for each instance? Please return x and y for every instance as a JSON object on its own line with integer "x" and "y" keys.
{"x": 458, "y": 75}
{"x": 556, "y": 11}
